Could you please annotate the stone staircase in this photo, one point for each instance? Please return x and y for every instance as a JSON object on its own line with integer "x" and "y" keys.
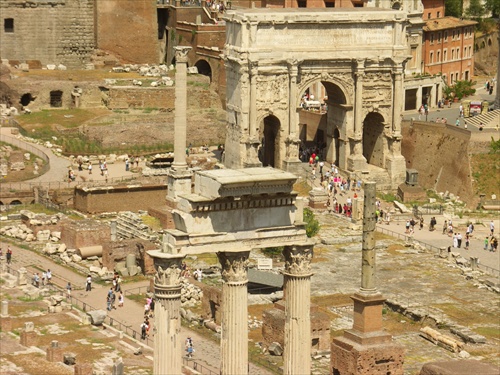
{"x": 489, "y": 119}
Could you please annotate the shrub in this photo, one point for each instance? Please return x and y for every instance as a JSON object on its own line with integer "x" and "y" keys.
{"x": 312, "y": 225}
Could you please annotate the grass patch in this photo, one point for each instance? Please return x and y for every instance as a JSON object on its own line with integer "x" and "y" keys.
{"x": 140, "y": 297}
{"x": 46, "y": 119}
{"x": 152, "y": 222}
{"x": 486, "y": 174}
{"x": 302, "y": 188}
{"x": 319, "y": 253}
{"x": 29, "y": 299}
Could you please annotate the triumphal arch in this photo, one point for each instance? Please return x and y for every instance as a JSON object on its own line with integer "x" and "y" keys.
{"x": 358, "y": 54}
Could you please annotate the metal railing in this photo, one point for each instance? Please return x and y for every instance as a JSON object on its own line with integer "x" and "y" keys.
{"x": 137, "y": 290}
{"x": 190, "y": 362}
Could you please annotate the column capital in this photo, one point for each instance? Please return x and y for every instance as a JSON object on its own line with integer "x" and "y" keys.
{"x": 253, "y": 67}
{"x": 181, "y": 53}
{"x": 234, "y": 266}
{"x": 293, "y": 66}
{"x": 167, "y": 268}
{"x": 298, "y": 260}
{"x": 360, "y": 64}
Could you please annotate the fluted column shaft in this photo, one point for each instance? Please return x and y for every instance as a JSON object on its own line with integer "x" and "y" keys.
{"x": 292, "y": 98}
{"x": 234, "y": 340}
{"x": 167, "y": 342}
{"x": 180, "y": 107}
{"x": 358, "y": 108}
{"x": 297, "y": 294}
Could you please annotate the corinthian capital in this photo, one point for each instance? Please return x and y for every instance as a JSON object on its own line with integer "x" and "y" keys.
{"x": 168, "y": 271}
{"x": 298, "y": 260}
{"x": 234, "y": 266}
{"x": 181, "y": 53}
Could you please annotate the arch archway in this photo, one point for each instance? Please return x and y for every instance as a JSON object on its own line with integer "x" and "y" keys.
{"x": 269, "y": 153}
{"x": 16, "y": 202}
{"x": 204, "y": 68}
{"x": 373, "y": 139}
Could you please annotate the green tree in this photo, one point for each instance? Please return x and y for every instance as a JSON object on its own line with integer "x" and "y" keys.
{"x": 312, "y": 225}
{"x": 453, "y": 8}
{"x": 476, "y": 9}
{"x": 493, "y": 6}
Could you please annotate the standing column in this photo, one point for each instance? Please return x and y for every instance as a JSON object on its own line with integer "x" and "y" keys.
{"x": 368, "y": 246}
{"x": 253, "y": 142}
{"x": 167, "y": 344}
{"x": 297, "y": 295}
{"x": 356, "y": 160}
{"x": 234, "y": 340}
{"x": 397, "y": 105}
{"x": 180, "y": 107}
{"x": 497, "y": 100}
{"x": 292, "y": 161}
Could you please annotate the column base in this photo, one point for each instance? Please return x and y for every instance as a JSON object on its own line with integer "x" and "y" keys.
{"x": 292, "y": 165}
{"x": 356, "y": 163}
{"x": 374, "y": 355}
{"x": 396, "y": 167}
{"x": 179, "y": 182}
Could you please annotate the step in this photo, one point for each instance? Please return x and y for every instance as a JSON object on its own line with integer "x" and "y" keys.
{"x": 490, "y": 119}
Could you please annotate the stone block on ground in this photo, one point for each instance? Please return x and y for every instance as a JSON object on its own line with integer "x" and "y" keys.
{"x": 97, "y": 317}
{"x": 275, "y": 349}
{"x": 69, "y": 359}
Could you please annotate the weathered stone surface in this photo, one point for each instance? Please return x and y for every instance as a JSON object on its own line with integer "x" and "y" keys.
{"x": 275, "y": 349}
{"x": 458, "y": 367}
{"x": 69, "y": 359}
{"x": 97, "y": 317}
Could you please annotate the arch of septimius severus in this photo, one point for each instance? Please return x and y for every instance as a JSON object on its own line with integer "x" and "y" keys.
{"x": 273, "y": 56}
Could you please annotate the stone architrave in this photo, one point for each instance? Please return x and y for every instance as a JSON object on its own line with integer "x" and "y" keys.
{"x": 234, "y": 340}
{"x": 167, "y": 284}
{"x": 297, "y": 295}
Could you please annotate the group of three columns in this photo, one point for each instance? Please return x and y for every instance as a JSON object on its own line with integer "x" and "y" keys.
{"x": 168, "y": 350}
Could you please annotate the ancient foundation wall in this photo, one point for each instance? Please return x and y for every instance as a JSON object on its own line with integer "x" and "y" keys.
{"x": 439, "y": 153}
{"x": 133, "y": 97}
{"x": 128, "y": 29}
{"x": 82, "y": 233}
{"x": 53, "y": 32}
{"x": 117, "y": 251}
{"x": 119, "y": 198}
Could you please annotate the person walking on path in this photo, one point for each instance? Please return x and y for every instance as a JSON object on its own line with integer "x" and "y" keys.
{"x": 88, "y": 284}
{"x": 68, "y": 290}
{"x": 90, "y": 167}
{"x": 492, "y": 227}
{"x": 49, "y": 276}
{"x": 189, "y": 347}
{"x": 120, "y": 300}
{"x": 486, "y": 243}
{"x": 144, "y": 328}
{"x": 9, "y": 255}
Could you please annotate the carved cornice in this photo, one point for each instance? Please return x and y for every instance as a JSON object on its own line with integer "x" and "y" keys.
{"x": 234, "y": 266}
{"x": 181, "y": 53}
{"x": 298, "y": 260}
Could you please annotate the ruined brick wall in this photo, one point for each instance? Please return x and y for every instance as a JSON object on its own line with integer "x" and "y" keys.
{"x": 441, "y": 155}
{"x": 147, "y": 97}
{"x": 128, "y": 29}
{"x": 55, "y": 32}
{"x": 119, "y": 198}
{"x": 82, "y": 233}
{"x": 211, "y": 301}
{"x": 117, "y": 251}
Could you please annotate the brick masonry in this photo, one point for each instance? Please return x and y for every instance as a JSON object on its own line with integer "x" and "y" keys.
{"x": 55, "y": 32}
{"x": 81, "y": 233}
{"x": 119, "y": 198}
{"x": 113, "y": 252}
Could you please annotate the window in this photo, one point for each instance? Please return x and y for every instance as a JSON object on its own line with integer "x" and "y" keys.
{"x": 453, "y": 54}
{"x": 432, "y": 38}
{"x": 470, "y": 51}
{"x": 8, "y": 25}
{"x": 458, "y": 34}
{"x": 358, "y": 5}
{"x": 302, "y": 3}
{"x": 439, "y": 14}
{"x": 445, "y": 55}
{"x": 431, "y": 59}
{"x": 445, "y": 37}
{"x": 458, "y": 53}
{"x": 465, "y": 52}
{"x": 453, "y": 36}
{"x": 439, "y": 37}
{"x": 456, "y": 76}
{"x": 438, "y": 57}
{"x": 329, "y": 4}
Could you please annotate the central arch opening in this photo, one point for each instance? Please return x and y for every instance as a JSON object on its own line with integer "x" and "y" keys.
{"x": 373, "y": 139}
{"x": 269, "y": 151}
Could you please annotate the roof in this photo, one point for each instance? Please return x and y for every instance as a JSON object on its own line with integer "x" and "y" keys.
{"x": 447, "y": 23}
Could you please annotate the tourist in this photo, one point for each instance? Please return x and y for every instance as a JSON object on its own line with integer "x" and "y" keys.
{"x": 9, "y": 255}
{"x": 143, "y": 330}
{"x": 481, "y": 126}
{"x": 455, "y": 240}
{"x": 106, "y": 175}
{"x": 127, "y": 165}
{"x": 90, "y": 167}
{"x": 137, "y": 160}
{"x": 486, "y": 243}
{"x": 147, "y": 307}
{"x": 445, "y": 226}
{"x": 88, "y": 284}
{"x": 467, "y": 241}
{"x": 120, "y": 300}
{"x": 492, "y": 227}
{"x": 68, "y": 290}
{"x": 433, "y": 223}
{"x": 152, "y": 308}
{"x": 461, "y": 110}
{"x": 407, "y": 226}
{"x": 459, "y": 240}
{"x": 49, "y": 276}
{"x": 457, "y": 123}
{"x": 44, "y": 278}
{"x": 36, "y": 280}
{"x": 189, "y": 347}
{"x": 421, "y": 223}
{"x": 494, "y": 244}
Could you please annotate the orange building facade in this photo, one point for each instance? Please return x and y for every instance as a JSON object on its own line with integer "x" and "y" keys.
{"x": 448, "y": 45}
